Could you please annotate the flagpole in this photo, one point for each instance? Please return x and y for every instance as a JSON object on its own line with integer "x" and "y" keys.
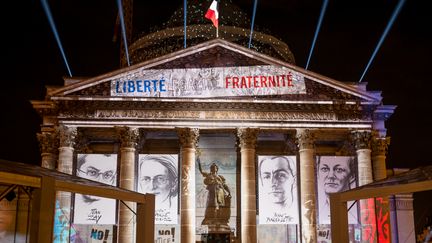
{"x": 217, "y": 27}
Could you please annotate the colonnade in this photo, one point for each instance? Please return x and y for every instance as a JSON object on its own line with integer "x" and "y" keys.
{"x": 371, "y": 165}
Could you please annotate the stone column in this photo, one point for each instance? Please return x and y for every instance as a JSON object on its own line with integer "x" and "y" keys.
{"x": 393, "y": 219}
{"x": 129, "y": 138}
{"x": 247, "y": 140}
{"x": 49, "y": 147}
{"x": 405, "y": 217}
{"x": 379, "y": 151}
{"x": 65, "y": 163}
{"x": 362, "y": 144}
{"x": 308, "y": 200}
{"x": 188, "y": 139}
{"x": 66, "y": 148}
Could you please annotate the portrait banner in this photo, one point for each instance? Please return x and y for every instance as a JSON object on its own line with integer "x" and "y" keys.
{"x": 277, "y": 190}
{"x": 89, "y": 209}
{"x": 335, "y": 174}
{"x": 158, "y": 175}
{"x": 210, "y": 82}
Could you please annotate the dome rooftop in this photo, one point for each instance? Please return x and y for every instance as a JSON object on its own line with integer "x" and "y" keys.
{"x": 234, "y": 26}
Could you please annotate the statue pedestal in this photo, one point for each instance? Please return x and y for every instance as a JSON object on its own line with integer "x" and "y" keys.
{"x": 218, "y": 234}
{"x": 219, "y": 228}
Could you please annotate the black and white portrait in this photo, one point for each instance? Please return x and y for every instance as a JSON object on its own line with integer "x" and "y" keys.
{"x": 158, "y": 175}
{"x": 91, "y": 209}
{"x": 335, "y": 174}
{"x": 277, "y": 189}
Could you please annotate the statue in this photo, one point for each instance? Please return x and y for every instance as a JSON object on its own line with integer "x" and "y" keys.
{"x": 218, "y": 205}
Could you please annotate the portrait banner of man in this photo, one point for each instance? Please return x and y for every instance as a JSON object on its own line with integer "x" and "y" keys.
{"x": 335, "y": 174}
{"x": 89, "y": 209}
{"x": 158, "y": 175}
{"x": 277, "y": 190}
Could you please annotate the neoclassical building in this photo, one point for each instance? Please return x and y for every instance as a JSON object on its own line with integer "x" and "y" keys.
{"x": 237, "y": 144}
{"x": 227, "y": 105}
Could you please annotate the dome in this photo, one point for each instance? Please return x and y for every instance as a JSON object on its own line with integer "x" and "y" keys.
{"x": 234, "y": 26}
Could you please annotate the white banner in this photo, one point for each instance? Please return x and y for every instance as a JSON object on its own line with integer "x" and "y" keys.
{"x": 277, "y": 189}
{"x": 335, "y": 174}
{"x": 91, "y": 209}
{"x": 158, "y": 175}
{"x": 210, "y": 82}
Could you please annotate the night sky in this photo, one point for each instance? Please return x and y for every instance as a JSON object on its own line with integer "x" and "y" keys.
{"x": 351, "y": 29}
{"x": 347, "y": 39}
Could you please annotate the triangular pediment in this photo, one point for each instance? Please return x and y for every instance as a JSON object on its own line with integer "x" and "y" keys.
{"x": 217, "y": 56}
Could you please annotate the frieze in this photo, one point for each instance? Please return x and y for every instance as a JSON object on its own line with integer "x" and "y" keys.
{"x": 215, "y": 115}
{"x": 342, "y": 111}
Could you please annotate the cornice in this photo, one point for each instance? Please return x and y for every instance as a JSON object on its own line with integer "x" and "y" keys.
{"x": 217, "y": 104}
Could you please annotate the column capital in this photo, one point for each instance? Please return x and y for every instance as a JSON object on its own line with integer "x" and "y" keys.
{"x": 247, "y": 137}
{"x": 48, "y": 142}
{"x": 380, "y": 145}
{"x": 361, "y": 139}
{"x": 305, "y": 139}
{"x": 67, "y": 135}
{"x": 129, "y": 136}
{"x": 188, "y": 136}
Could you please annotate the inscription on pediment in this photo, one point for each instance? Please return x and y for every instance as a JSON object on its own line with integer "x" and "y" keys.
{"x": 314, "y": 91}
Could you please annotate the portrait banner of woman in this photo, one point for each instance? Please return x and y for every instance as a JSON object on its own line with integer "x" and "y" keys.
{"x": 158, "y": 175}
{"x": 89, "y": 209}
{"x": 335, "y": 174}
{"x": 277, "y": 190}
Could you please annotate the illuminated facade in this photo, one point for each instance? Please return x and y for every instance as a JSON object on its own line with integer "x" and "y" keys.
{"x": 257, "y": 120}
{"x": 237, "y": 144}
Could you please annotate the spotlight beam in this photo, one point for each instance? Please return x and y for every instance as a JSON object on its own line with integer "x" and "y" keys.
{"x": 120, "y": 8}
{"x": 321, "y": 17}
{"x": 253, "y": 22}
{"x": 383, "y": 36}
{"x": 184, "y": 20}
{"x": 56, "y": 35}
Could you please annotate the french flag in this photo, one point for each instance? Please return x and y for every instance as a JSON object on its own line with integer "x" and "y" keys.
{"x": 213, "y": 14}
